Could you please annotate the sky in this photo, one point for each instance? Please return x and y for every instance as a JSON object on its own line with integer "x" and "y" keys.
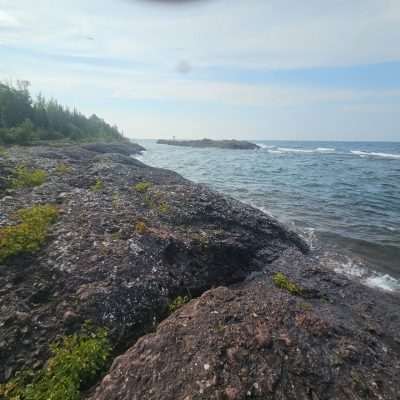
{"x": 251, "y": 69}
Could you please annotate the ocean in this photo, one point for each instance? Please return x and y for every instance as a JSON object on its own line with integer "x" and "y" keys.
{"x": 342, "y": 197}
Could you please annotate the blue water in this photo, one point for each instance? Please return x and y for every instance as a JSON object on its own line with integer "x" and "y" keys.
{"x": 343, "y": 197}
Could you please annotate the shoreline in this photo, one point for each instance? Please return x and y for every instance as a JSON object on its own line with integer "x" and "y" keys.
{"x": 131, "y": 238}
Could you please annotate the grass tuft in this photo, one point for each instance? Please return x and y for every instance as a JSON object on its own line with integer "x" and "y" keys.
{"x": 29, "y": 234}
{"x": 143, "y": 187}
{"x": 177, "y": 303}
{"x": 63, "y": 169}
{"x": 75, "y": 364}
{"x": 97, "y": 186}
{"x": 25, "y": 177}
{"x": 282, "y": 281}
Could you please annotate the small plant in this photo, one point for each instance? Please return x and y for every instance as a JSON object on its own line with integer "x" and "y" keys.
{"x": 97, "y": 186}
{"x": 282, "y": 281}
{"x": 76, "y": 362}
{"x": 177, "y": 303}
{"x": 140, "y": 227}
{"x": 63, "y": 169}
{"x": 163, "y": 207}
{"x": 143, "y": 187}
{"x": 25, "y": 177}
{"x": 29, "y": 234}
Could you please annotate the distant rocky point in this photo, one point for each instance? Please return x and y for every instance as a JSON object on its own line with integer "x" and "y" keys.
{"x": 221, "y": 144}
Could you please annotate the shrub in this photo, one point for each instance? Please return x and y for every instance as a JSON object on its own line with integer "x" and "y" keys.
{"x": 25, "y": 177}
{"x": 97, "y": 186}
{"x": 76, "y": 363}
{"x": 142, "y": 187}
{"x": 29, "y": 234}
{"x": 282, "y": 281}
{"x": 177, "y": 303}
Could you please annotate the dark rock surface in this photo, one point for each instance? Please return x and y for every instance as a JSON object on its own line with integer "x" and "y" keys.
{"x": 117, "y": 255}
{"x": 338, "y": 340}
{"x": 222, "y": 144}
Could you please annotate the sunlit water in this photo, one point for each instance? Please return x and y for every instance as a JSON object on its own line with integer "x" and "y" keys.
{"x": 343, "y": 197}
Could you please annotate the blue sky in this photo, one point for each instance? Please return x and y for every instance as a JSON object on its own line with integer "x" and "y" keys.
{"x": 254, "y": 69}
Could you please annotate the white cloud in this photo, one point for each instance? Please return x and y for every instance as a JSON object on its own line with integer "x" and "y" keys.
{"x": 7, "y": 20}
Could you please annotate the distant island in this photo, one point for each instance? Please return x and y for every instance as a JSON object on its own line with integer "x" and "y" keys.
{"x": 221, "y": 144}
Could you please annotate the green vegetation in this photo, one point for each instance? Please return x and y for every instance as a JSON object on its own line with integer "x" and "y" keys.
{"x": 163, "y": 207}
{"x": 76, "y": 363}
{"x": 25, "y": 177}
{"x": 97, "y": 186}
{"x": 29, "y": 234}
{"x": 177, "y": 303}
{"x": 282, "y": 281}
{"x": 24, "y": 120}
{"x": 143, "y": 187}
{"x": 63, "y": 169}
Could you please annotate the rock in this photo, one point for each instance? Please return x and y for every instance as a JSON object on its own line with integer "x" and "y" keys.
{"x": 98, "y": 265}
{"x": 70, "y": 318}
{"x": 222, "y": 144}
{"x": 125, "y": 149}
{"x": 293, "y": 362}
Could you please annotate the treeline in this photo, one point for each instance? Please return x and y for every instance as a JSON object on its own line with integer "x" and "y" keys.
{"x": 24, "y": 120}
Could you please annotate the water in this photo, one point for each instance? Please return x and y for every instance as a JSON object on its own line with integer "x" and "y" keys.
{"x": 343, "y": 197}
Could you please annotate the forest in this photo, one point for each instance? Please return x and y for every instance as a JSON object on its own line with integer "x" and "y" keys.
{"x": 25, "y": 120}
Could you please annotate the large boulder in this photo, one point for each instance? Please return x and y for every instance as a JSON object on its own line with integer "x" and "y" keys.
{"x": 257, "y": 341}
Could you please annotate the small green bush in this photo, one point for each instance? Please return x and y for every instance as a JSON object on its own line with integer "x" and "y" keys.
{"x": 29, "y": 234}
{"x": 97, "y": 186}
{"x": 282, "y": 281}
{"x": 177, "y": 303}
{"x": 76, "y": 363}
{"x": 25, "y": 177}
{"x": 143, "y": 187}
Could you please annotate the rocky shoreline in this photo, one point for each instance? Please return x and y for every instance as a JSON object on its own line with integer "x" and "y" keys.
{"x": 220, "y": 144}
{"x": 266, "y": 320}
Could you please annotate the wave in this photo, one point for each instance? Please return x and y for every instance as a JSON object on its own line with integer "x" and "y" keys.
{"x": 265, "y": 146}
{"x": 372, "y": 154}
{"x": 297, "y": 150}
{"x": 365, "y": 275}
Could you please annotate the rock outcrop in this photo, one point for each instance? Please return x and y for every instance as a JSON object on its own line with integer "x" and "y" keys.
{"x": 222, "y": 144}
{"x": 333, "y": 340}
{"x": 267, "y": 320}
{"x": 129, "y": 239}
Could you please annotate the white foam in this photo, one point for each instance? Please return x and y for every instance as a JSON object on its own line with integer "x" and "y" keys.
{"x": 317, "y": 150}
{"x": 345, "y": 265}
{"x": 275, "y": 151}
{"x": 372, "y": 154}
{"x": 385, "y": 282}
{"x": 294, "y": 150}
{"x": 265, "y": 146}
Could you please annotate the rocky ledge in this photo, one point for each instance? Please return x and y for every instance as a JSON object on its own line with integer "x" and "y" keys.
{"x": 221, "y": 144}
{"x": 266, "y": 321}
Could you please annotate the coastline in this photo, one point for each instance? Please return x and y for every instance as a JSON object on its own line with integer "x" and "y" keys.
{"x": 132, "y": 238}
